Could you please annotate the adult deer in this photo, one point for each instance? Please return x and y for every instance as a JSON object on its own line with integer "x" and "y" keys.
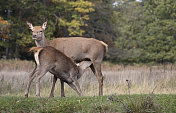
{"x": 49, "y": 59}
{"x": 77, "y": 48}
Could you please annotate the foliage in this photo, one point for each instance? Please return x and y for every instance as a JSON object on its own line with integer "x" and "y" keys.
{"x": 146, "y": 31}
{"x": 4, "y": 28}
{"x": 160, "y": 28}
{"x": 102, "y": 22}
{"x": 72, "y": 14}
{"x": 129, "y": 25}
{"x": 65, "y": 18}
{"x": 137, "y": 31}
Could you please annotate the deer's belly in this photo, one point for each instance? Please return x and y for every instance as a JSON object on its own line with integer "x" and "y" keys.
{"x": 62, "y": 76}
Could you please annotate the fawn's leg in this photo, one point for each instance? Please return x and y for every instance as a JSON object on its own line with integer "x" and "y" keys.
{"x": 53, "y": 86}
{"x": 74, "y": 88}
{"x": 39, "y": 75}
{"x": 78, "y": 86}
{"x": 62, "y": 88}
{"x": 31, "y": 78}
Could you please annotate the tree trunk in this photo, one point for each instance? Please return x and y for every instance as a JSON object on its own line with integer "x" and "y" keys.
{"x": 7, "y": 53}
{"x": 44, "y": 4}
{"x": 10, "y": 53}
{"x": 16, "y": 52}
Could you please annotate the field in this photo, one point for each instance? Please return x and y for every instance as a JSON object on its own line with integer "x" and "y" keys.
{"x": 156, "y": 83}
{"x": 104, "y": 104}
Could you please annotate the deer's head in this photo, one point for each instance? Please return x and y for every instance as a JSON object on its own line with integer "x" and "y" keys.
{"x": 37, "y": 31}
{"x": 82, "y": 67}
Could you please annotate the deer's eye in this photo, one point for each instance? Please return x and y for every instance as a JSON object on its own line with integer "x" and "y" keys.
{"x": 40, "y": 31}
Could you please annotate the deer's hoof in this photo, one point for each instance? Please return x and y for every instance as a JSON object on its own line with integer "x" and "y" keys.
{"x": 26, "y": 95}
{"x": 38, "y": 97}
{"x": 51, "y": 96}
{"x": 62, "y": 95}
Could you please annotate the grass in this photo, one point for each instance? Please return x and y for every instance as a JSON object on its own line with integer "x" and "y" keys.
{"x": 143, "y": 80}
{"x": 159, "y": 103}
{"x": 14, "y": 75}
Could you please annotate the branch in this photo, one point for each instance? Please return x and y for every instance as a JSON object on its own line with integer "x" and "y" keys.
{"x": 112, "y": 98}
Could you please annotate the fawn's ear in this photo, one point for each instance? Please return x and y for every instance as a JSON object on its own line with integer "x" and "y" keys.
{"x": 44, "y": 25}
{"x": 84, "y": 65}
{"x": 30, "y": 25}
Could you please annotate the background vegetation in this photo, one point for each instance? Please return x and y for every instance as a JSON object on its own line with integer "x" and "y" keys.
{"x": 142, "y": 31}
{"x": 143, "y": 79}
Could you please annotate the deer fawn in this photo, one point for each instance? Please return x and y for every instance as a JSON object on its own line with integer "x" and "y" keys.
{"x": 48, "y": 59}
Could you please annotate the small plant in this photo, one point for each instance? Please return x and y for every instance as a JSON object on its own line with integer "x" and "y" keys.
{"x": 142, "y": 105}
{"x": 1, "y": 83}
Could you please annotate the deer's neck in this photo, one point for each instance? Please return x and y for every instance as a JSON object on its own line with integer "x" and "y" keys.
{"x": 42, "y": 43}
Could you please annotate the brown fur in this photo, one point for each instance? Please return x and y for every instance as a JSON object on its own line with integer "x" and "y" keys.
{"x": 35, "y": 49}
{"x": 106, "y": 46}
{"x": 61, "y": 66}
{"x": 77, "y": 48}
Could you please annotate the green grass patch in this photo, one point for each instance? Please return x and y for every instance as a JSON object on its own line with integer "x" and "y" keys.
{"x": 96, "y": 104}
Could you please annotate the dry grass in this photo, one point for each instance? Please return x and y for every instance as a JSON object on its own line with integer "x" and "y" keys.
{"x": 14, "y": 74}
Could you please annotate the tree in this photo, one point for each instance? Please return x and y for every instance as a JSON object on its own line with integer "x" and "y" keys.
{"x": 159, "y": 30}
{"x": 129, "y": 23}
{"x": 101, "y": 23}
{"x": 4, "y": 30}
{"x": 65, "y": 18}
{"x": 146, "y": 31}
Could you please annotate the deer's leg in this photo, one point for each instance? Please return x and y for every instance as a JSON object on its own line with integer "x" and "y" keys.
{"x": 62, "y": 88}
{"x": 74, "y": 88}
{"x": 31, "y": 77}
{"x": 39, "y": 75}
{"x": 53, "y": 86}
{"x": 96, "y": 68}
{"x": 78, "y": 86}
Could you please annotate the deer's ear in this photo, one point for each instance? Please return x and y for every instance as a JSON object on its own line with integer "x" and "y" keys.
{"x": 44, "y": 25}
{"x": 30, "y": 25}
{"x": 84, "y": 65}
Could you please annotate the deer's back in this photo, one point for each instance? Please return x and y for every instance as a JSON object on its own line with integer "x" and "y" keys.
{"x": 79, "y": 48}
{"x": 57, "y": 63}
{"x": 50, "y": 55}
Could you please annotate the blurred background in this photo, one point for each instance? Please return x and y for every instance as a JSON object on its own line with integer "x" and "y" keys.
{"x": 142, "y": 31}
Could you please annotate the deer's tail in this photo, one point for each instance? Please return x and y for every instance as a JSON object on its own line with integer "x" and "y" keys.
{"x": 106, "y": 46}
{"x": 36, "y": 51}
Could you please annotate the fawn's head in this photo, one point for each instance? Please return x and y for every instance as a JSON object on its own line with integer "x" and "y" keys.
{"x": 37, "y": 31}
{"x": 82, "y": 66}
